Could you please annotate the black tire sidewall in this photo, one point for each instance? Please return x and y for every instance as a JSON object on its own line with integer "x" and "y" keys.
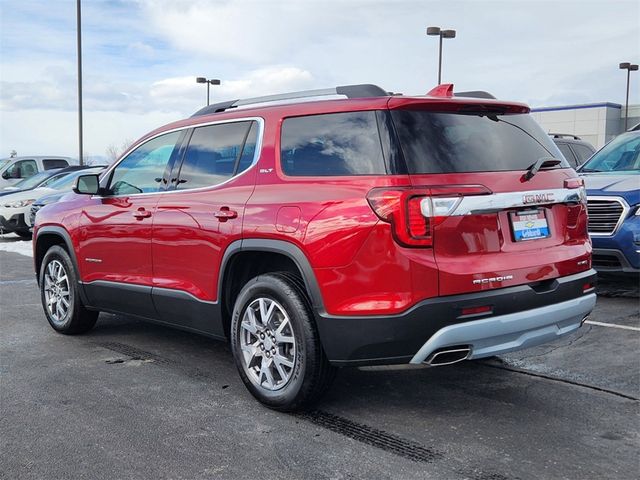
{"x": 58, "y": 253}
{"x": 271, "y": 287}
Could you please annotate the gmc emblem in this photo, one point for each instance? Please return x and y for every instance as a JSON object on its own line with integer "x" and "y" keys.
{"x": 537, "y": 198}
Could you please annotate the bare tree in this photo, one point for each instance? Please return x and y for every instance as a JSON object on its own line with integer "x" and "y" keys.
{"x": 114, "y": 152}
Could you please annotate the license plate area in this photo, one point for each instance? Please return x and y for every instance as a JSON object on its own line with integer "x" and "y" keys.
{"x": 529, "y": 225}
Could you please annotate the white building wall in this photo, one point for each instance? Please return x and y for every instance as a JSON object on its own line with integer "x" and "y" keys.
{"x": 596, "y": 124}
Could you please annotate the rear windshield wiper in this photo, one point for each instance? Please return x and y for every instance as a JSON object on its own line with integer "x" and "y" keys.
{"x": 541, "y": 164}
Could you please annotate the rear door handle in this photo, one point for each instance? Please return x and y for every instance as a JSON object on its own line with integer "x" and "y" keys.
{"x": 141, "y": 213}
{"x": 225, "y": 214}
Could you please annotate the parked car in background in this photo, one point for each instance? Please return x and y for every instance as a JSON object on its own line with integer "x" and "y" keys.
{"x": 612, "y": 179}
{"x": 14, "y": 169}
{"x": 15, "y": 207}
{"x": 371, "y": 229}
{"x": 41, "y": 179}
{"x": 574, "y": 149}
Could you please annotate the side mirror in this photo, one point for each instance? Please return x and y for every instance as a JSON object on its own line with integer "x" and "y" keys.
{"x": 87, "y": 185}
{"x": 5, "y": 174}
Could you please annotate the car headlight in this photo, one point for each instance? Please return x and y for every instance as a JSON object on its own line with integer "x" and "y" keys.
{"x": 21, "y": 203}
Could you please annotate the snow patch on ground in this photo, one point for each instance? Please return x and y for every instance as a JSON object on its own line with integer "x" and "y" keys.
{"x": 12, "y": 243}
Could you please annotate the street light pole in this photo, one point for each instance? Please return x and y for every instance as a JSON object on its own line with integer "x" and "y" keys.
{"x": 208, "y": 81}
{"x": 433, "y": 31}
{"x": 79, "y": 47}
{"x": 629, "y": 67}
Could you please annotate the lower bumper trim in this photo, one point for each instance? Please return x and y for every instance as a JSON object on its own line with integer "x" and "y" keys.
{"x": 506, "y": 333}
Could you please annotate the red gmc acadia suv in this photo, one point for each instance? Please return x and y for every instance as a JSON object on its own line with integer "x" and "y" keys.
{"x": 314, "y": 231}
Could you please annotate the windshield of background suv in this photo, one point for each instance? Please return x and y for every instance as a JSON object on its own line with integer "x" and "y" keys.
{"x": 33, "y": 181}
{"x": 66, "y": 182}
{"x": 622, "y": 154}
{"x": 453, "y": 142}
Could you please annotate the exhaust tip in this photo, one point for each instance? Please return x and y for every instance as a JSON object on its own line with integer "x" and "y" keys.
{"x": 448, "y": 356}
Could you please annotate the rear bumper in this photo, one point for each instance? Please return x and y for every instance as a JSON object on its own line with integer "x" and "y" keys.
{"x": 521, "y": 316}
{"x": 506, "y": 333}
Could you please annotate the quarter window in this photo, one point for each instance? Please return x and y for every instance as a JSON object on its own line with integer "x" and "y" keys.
{"x": 332, "y": 144}
{"x": 142, "y": 171}
{"x": 217, "y": 153}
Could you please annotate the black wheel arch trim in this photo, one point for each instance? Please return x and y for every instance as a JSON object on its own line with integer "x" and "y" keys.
{"x": 288, "y": 249}
{"x": 66, "y": 238}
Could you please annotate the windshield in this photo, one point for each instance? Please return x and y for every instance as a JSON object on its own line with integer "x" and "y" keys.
{"x": 66, "y": 182}
{"x": 33, "y": 181}
{"x": 622, "y": 154}
{"x": 453, "y": 142}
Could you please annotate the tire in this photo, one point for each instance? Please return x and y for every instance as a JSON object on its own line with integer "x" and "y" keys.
{"x": 24, "y": 234}
{"x": 281, "y": 363}
{"x": 59, "y": 286}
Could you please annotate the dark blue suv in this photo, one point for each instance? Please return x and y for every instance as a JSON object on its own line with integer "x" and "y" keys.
{"x": 612, "y": 178}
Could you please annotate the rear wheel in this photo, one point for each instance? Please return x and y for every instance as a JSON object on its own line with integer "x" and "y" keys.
{"x": 276, "y": 345}
{"x": 59, "y": 294}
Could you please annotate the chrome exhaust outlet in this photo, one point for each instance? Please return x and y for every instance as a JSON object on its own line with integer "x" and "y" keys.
{"x": 448, "y": 356}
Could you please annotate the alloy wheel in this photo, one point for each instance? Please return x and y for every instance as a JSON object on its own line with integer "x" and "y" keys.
{"x": 57, "y": 293}
{"x": 268, "y": 344}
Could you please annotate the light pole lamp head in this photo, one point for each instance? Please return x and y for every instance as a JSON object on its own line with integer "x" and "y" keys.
{"x": 633, "y": 67}
{"x": 214, "y": 81}
{"x": 433, "y": 30}
{"x": 201, "y": 80}
{"x": 449, "y": 33}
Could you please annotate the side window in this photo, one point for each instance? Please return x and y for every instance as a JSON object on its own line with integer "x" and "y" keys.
{"x": 50, "y": 163}
{"x": 332, "y": 144}
{"x": 214, "y": 153}
{"x": 568, "y": 154}
{"x": 142, "y": 170}
{"x": 23, "y": 169}
{"x": 583, "y": 153}
{"x": 249, "y": 150}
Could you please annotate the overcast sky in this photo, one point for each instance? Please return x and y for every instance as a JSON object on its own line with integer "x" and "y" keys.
{"x": 141, "y": 57}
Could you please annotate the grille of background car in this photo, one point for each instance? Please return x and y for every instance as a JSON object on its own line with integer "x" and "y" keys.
{"x": 604, "y": 215}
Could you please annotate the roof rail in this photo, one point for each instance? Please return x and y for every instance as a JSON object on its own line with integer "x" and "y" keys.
{"x": 350, "y": 91}
{"x": 564, "y": 135}
{"x": 474, "y": 94}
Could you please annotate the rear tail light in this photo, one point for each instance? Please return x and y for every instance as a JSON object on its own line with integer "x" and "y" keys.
{"x": 414, "y": 212}
{"x": 573, "y": 183}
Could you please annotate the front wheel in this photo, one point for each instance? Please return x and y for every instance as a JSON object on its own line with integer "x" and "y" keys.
{"x": 276, "y": 345}
{"x": 59, "y": 294}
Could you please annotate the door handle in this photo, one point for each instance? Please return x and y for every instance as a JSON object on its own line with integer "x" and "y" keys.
{"x": 141, "y": 213}
{"x": 225, "y": 214}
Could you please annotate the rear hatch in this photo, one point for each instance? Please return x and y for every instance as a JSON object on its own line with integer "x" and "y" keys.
{"x": 497, "y": 199}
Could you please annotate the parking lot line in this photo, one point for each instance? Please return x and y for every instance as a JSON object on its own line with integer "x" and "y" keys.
{"x": 613, "y": 325}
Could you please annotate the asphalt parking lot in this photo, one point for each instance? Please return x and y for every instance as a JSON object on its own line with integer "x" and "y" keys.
{"x": 136, "y": 400}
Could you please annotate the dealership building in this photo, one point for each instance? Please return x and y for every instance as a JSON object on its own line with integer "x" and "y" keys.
{"x": 596, "y": 123}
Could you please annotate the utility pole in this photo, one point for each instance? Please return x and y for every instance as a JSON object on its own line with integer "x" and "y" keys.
{"x": 629, "y": 67}
{"x": 79, "y": 39}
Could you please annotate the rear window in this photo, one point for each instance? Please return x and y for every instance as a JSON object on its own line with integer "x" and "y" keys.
{"x": 453, "y": 142}
{"x": 50, "y": 163}
{"x": 332, "y": 144}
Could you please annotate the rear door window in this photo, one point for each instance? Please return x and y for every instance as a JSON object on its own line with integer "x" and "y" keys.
{"x": 332, "y": 144}
{"x": 216, "y": 153}
{"x": 50, "y": 163}
{"x": 435, "y": 142}
{"x": 582, "y": 152}
{"x": 568, "y": 154}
